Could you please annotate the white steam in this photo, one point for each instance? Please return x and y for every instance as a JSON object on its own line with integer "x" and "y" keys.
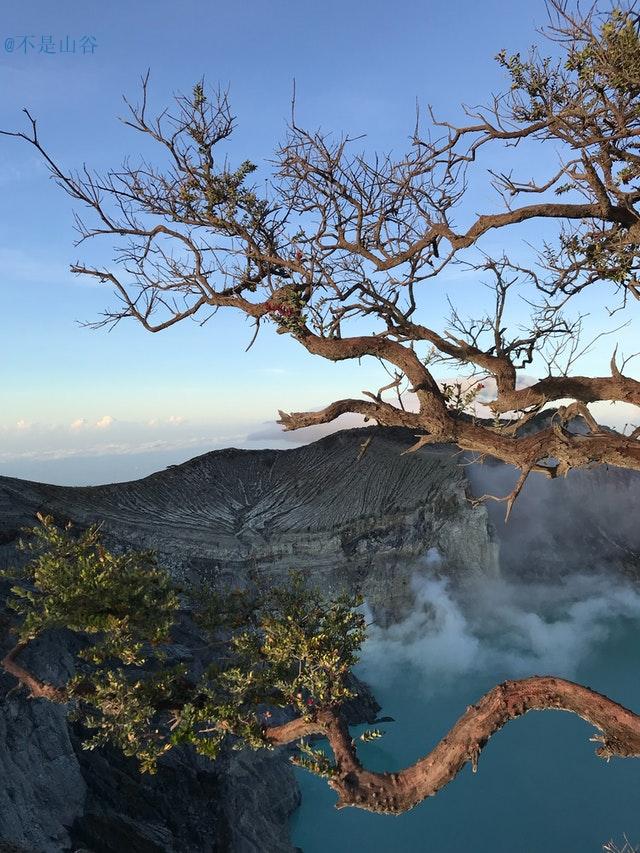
{"x": 513, "y": 629}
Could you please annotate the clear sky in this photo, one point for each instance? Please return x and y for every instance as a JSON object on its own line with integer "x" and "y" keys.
{"x": 78, "y": 405}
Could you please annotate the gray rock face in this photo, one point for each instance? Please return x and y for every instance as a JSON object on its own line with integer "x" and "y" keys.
{"x": 223, "y": 516}
{"x": 42, "y": 788}
{"x": 56, "y": 796}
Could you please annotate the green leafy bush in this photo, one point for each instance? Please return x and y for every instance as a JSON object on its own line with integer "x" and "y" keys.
{"x": 286, "y": 647}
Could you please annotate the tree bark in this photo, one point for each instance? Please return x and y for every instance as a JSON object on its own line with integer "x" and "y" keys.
{"x": 395, "y": 793}
{"x": 524, "y": 452}
{"x": 38, "y": 689}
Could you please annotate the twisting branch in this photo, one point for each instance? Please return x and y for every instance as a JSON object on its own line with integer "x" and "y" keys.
{"x": 395, "y": 793}
{"x": 290, "y": 647}
{"x": 508, "y": 499}
{"x": 36, "y": 687}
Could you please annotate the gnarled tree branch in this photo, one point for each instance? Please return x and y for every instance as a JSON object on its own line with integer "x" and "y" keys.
{"x": 395, "y": 793}
{"x": 36, "y": 687}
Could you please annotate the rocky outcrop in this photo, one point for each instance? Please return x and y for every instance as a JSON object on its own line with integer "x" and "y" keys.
{"x": 57, "y": 796}
{"x": 43, "y": 789}
{"x": 353, "y": 522}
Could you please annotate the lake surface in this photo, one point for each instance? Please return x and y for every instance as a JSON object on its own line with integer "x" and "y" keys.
{"x": 539, "y": 786}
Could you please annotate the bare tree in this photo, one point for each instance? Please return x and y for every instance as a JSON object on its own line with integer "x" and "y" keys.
{"x": 343, "y": 237}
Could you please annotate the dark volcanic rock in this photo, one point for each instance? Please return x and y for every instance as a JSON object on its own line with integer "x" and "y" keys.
{"x": 57, "y": 796}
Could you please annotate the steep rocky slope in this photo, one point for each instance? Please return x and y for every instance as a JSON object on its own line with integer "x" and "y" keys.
{"x": 353, "y": 522}
{"x": 57, "y": 796}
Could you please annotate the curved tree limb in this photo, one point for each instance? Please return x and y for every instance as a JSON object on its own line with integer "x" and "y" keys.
{"x": 585, "y": 389}
{"x": 38, "y": 689}
{"x": 384, "y": 413}
{"x": 524, "y": 452}
{"x": 395, "y": 793}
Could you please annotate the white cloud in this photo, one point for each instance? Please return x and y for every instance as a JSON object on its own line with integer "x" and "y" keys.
{"x": 89, "y": 436}
{"x": 202, "y": 442}
{"x": 22, "y": 424}
{"x": 617, "y": 415}
{"x": 105, "y": 422}
{"x": 512, "y": 627}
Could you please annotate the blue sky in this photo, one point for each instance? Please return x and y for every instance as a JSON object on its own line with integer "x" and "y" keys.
{"x": 78, "y": 405}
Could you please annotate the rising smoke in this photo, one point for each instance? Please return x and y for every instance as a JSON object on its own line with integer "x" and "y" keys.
{"x": 512, "y": 629}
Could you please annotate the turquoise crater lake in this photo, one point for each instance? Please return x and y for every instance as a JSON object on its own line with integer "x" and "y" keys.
{"x": 539, "y": 786}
